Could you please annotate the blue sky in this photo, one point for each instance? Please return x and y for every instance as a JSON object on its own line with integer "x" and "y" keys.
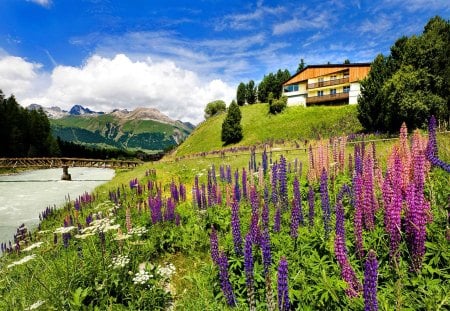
{"x": 178, "y": 55}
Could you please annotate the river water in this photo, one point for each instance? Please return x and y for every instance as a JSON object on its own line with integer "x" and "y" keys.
{"x": 23, "y": 196}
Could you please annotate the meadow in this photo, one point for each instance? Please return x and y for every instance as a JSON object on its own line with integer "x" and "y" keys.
{"x": 337, "y": 225}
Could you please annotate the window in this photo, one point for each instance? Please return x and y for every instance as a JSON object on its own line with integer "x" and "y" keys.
{"x": 320, "y": 81}
{"x": 347, "y": 89}
{"x": 319, "y": 93}
{"x": 291, "y": 88}
{"x": 333, "y": 78}
{"x": 346, "y": 74}
{"x": 333, "y": 92}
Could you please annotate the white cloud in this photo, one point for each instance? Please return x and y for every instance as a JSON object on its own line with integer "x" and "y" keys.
{"x": 17, "y": 75}
{"x": 104, "y": 83}
{"x": 44, "y": 3}
{"x": 308, "y": 21}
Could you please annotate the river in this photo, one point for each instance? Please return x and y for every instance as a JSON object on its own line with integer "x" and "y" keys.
{"x": 23, "y": 196}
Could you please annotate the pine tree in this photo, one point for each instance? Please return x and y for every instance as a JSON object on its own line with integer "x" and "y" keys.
{"x": 231, "y": 126}
{"x": 241, "y": 94}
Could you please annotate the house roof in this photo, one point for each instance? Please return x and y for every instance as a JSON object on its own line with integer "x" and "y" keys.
{"x": 357, "y": 71}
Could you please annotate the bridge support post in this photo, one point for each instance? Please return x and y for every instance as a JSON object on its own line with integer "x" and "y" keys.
{"x": 66, "y": 175}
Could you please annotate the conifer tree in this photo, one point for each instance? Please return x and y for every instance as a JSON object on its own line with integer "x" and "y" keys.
{"x": 231, "y": 126}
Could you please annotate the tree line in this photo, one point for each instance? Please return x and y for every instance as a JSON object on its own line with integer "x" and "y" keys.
{"x": 411, "y": 83}
{"x": 27, "y": 133}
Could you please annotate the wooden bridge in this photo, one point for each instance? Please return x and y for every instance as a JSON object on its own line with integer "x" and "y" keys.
{"x": 65, "y": 163}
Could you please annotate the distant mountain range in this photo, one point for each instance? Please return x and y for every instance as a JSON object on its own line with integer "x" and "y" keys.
{"x": 146, "y": 129}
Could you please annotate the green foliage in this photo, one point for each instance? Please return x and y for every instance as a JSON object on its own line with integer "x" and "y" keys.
{"x": 272, "y": 83}
{"x": 241, "y": 94}
{"x": 251, "y": 93}
{"x": 24, "y": 132}
{"x": 214, "y": 108}
{"x": 301, "y": 65}
{"x": 231, "y": 127}
{"x": 278, "y": 105}
{"x": 411, "y": 83}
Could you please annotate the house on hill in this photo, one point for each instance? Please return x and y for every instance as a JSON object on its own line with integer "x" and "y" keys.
{"x": 331, "y": 84}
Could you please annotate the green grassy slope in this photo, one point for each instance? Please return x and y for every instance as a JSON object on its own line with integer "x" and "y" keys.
{"x": 259, "y": 126}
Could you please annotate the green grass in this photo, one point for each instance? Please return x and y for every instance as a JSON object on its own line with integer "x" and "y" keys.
{"x": 294, "y": 123}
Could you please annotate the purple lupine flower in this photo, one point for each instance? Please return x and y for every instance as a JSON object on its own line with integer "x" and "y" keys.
{"x": 266, "y": 253}
{"x": 264, "y": 161}
{"x": 203, "y": 196}
{"x": 174, "y": 191}
{"x": 277, "y": 220}
{"x": 340, "y": 250}
{"x": 265, "y": 213}
{"x": 254, "y": 228}
{"x": 282, "y": 182}
{"x": 274, "y": 184}
{"x": 311, "y": 200}
{"x": 296, "y": 213}
{"x": 236, "y": 228}
{"x": 325, "y": 202}
{"x": 225, "y": 281}
{"x": 244, "y": 183}
{"x": 358, "y": 160}
{"x": 416, "y": 220}
{"x": 432, "y": 150}
{"x": 392, "y": 196}
{"x": 237, "y": 191}
{"x": 248, "y": 268}
{"x": 222, "y": 173}
{"x": 283, "y": 289}
{"x": 358, "y": 218}
{"x": 214, "y": 243}
{"x": 368, "y": 193}
{"x": 197, "y": 193}
{"x": 229, "y": 174}
{"x": 66, "y": 237}
{"x": 213, "y": 174}
{"x": 170, "y": 210}
{"x": 370, "y": 282}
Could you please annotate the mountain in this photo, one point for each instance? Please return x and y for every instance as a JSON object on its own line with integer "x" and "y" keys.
{"x": 79, "y": 110}
{"x": 52, "y": 112}
{"x": 146, "y": 129}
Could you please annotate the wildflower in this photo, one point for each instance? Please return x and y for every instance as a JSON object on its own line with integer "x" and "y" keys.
{"x": 225, "y": 281}
{"x": 214, "y": 243}
{"x": 283, "y": 297}
{"x": 22, "y": 261}
{"x": 311, "y": 196}
{"x": 236, "y": 228}
{"x": 370, "y": 282}
{"x": 325, "y": 202}
{"x": 33, "y": 246}
{"x": 265, "y": 248}
{"x": 119, "y": 261}
{"x": 142, "y": 277}
{"x": 248, "y": 267}
{"x": 296, "y": 212}
{"x": 166, "y": 271}
{"x": 35, "y": 305}
{"x": 432, "y": 149}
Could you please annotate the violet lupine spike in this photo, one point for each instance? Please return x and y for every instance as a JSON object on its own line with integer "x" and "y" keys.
{"x": 416, "y": 220}
{"x": 229, "y": 179}
{"x": 432, "y": 150}
{"x": 277, "y": 220}
{"x": 203, "y": 196}
{"x": 264, "y": 161}
{"x": 248, "y": 268}
{"x": 170, "y": 210}
{"x": 244, "y": 183}
{"x": 225, "y": 281}
{"x": 325, "y": 202}
{"x": 237, "y": 191}
{"x": 340, "y": 250}
{"x": 222, "y": 173}
{"x": 265, "y": 215}
{"x": 214, "y": 244}
{"x": 282, "y": 182}
{"x": 266, "y": 253}
{"x": 358, "y": 218}
{"x": 236, "y": 228}
{"x": 274, "y": 184}
{"x": 370, "y": 282}
{"x": 283, "y": 289}
{"x": 368, "y": 193}
{"x": 296, "y": 211}
{"x": 311, "y": 201}
{"x": 254, "y": 228}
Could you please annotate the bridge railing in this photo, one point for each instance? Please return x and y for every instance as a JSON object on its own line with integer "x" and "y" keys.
{"x": 71, "y": 162}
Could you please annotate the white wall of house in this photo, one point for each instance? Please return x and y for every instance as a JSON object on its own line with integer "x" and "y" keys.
{"x": 296, "y": 100}
{"x": 355, "y": 90}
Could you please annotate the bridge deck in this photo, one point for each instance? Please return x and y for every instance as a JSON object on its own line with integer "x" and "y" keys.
{"x": 71, "y": 162}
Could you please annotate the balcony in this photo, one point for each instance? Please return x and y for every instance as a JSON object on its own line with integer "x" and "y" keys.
{"x": 326, "y": 98}
{"x": 328, "y": 83}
